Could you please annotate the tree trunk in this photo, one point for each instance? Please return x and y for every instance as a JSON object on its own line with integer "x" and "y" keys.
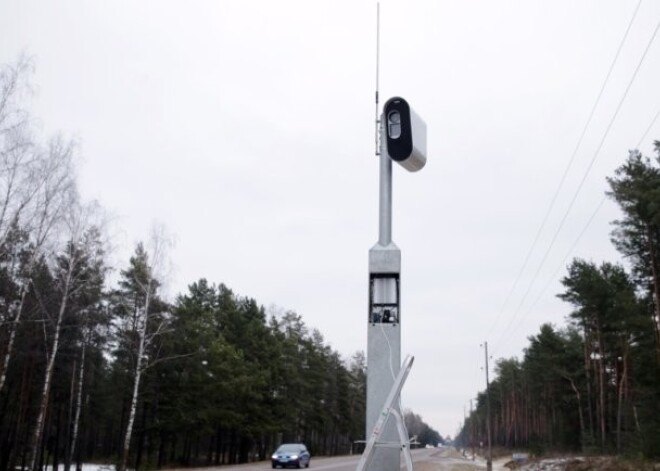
{"x": 601, "y": 387}
{"x": 587, "y": 368}
{"x": 579, "y": 403}
{"x": 622, "y": 382}
{"x": 76, "y": 420}
{"x": 56, "y": 445}
{"x": 656, "y": 286}
{"x": 637, "y": 426}
{"x": 133, "y": 408}
{"x": 162, "y": 450}
{"x": 12, "y": 336}
{"x": 141, "y": 438}
{"x": 39, "y": 426}
{"x": 218, "y": 447}
{"x": 142, "y": 333}
{"x": 514, "y": 412}
{"x": 69, "y": 428}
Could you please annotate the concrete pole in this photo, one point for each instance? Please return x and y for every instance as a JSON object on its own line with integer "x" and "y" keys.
{"x": 471, "y": 430}
{"x": 489, "y": 461}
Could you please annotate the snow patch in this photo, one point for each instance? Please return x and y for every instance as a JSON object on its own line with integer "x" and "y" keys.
{"x": 85, "y": 467}
{"x": 555, "y": 464}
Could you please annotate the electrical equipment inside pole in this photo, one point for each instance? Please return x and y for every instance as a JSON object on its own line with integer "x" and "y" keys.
{"x": 384, "y": 300}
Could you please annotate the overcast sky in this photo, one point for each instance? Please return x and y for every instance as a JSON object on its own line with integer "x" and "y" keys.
{"x": 247, "y": 129}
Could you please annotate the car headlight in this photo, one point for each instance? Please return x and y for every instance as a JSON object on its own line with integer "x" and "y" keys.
{"x": 274, "y": 457}
{"x": 294, "y": 457}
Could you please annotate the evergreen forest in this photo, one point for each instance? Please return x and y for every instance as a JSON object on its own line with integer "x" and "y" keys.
{"x": 592, "y": 385}
{"x": 97, "y": 367}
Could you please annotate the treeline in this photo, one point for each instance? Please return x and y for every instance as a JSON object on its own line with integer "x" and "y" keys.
{"x": 593, "y": 385}
{"x": 93, "y": 372}
{"x": 420, "y": 430}
{"x": 207, "y": 380}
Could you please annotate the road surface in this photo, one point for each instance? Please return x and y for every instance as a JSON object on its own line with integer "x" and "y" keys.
{"x": 426, "y": 459}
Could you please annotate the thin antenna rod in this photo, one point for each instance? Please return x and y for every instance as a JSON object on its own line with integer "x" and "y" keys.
{"x": 377, "y": 121}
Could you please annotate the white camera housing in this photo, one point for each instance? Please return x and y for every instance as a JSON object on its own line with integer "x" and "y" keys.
{"x": 405, "y": 134}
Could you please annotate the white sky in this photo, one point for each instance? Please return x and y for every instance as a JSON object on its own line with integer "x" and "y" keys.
{"x": 247, "y": 129}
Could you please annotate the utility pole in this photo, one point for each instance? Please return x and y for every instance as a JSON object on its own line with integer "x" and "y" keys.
{"x": 489, "y": 459}
{"x": 471, "y": 430}
{"x": 464, "y": 429}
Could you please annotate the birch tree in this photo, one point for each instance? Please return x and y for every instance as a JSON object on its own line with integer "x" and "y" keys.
{"x": 71, "y": 448}
{"x": 17, "y": 188}
{"x": 36, "y": 185}
{"x": 55, "y": 196}
{"x": 144, "y": 319}
{"x": 75, "y": 267}
{"x": 92, "y": 322}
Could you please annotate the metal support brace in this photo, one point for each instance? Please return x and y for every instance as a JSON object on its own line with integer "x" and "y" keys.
{"x": 389, "y": 409}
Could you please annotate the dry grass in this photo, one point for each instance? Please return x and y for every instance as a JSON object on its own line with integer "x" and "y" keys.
{"x": 438, "y": 466}
{"x": 585, "y": 464}
{"x": 610, "y": 464}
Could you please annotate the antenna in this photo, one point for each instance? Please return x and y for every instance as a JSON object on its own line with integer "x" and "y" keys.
{"x": 377, "y": 120}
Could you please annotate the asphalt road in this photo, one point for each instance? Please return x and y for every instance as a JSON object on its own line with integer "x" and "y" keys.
{"x": 428, "y": 459}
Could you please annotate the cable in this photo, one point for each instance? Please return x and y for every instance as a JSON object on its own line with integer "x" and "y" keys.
{"x": 577, "y": 240}
{"x": 567, "y": 169}
{"x": 400, "y": 402}
{"x": 584, "y": 177}
{"x": 562, "y": 264}
{"x": 389, "y": 349}
{"x": 648, "y": 129}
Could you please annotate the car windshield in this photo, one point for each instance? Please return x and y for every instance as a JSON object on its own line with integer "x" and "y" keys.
{"x": 289, "y": 448}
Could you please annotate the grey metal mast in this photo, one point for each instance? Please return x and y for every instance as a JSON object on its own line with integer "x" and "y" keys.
{"x": 402, "y": 139}
{"x": 384, "y": 328}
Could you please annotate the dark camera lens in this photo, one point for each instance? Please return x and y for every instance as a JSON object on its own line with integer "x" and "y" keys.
{"x": 394, "y": 124}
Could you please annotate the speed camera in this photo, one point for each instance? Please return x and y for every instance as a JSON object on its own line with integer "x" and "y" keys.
{"x": 405, "y": 134}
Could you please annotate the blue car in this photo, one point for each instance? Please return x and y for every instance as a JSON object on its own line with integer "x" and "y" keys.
{"x": 291, "y": 454}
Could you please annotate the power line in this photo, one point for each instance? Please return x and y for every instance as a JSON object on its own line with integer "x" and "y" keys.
{"x": 567, "y": 169}
{"x": 579, "y": 237}
{"x": 584, "y": 177}
{"x": 648, "y": 129}
{"x": 561, "y": 265}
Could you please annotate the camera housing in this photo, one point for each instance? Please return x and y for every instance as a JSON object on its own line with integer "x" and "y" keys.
{"x": 405, "y": 134}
